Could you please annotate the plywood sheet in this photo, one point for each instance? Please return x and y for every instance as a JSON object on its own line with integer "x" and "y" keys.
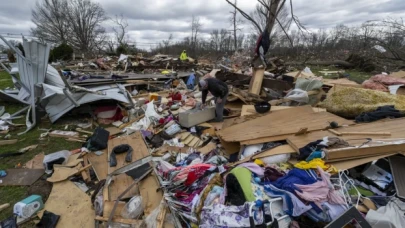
{"x": 21, "y": 177}
{"x": 99, "y": 164}
{"x": 250, "y": 109}
{"x": 72, "y": 204}
{"x": 63, "y": 173}
{"x": 119, "y": 184}
{"x": 348, "y": 164}
{"x": 138, "y": 145}
{"x": 282, "y": 122}
{"x": 394, "y": 126}
{"x": 256, "y": 82}
{"x": 151, "y": 194}
{"x": 113, "y": 130}
{"x": 343, "y": 154}
{"x": 36, "y": 162}
{"x": 108, "y": 207}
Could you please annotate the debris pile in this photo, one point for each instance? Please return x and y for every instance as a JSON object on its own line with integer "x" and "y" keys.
{"x": 292, "y": 150}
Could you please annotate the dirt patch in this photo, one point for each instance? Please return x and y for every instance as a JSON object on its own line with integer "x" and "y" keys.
{"x": 42, "y": 188}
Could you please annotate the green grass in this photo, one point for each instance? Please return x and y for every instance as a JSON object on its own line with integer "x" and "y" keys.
{"x": 357, "y": 76}
{"x": 13, "y": 194}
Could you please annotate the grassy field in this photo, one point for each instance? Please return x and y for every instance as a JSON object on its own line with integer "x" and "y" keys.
{"x": 354, "y": 75}
{"x": 13, "y": 194}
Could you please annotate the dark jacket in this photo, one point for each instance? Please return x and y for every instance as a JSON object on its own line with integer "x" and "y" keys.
{"x": 216, "y": 87}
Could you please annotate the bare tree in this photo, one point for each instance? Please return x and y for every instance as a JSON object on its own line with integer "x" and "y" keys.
{"x": 76, "y": 22}
{"x": 167, "y": 42}
{"x": 50, "y": 19}
{"x": 85, "y": 18}
{"x": 195, "y": 30}
{"x": 120, "y": 30}
{"x": 235, "y": 21}
{"x": 271, "y": 9}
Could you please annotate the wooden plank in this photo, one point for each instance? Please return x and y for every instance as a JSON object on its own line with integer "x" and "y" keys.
{"x": 151, "y": 194}
{"x": 100, "y": 164}
{"x": 136, "y": 223}
{"x": 340, "y": 154}
{"x": 255, "y": 86}
{"x": 8, "y": 142}
{"x": 348, "y": 164}
{"x": 246, "y": 109}
{"x": 208, "y": 148}
{"x": 64, "y": 134}
{"x": 282, "y": 122}
{"x": 266, "y": 139}
{"x": 21, "y": 177}
{"x": 86, "y": 173}
{"x": 394, "y": 126}
{"x": 72, "y": 204}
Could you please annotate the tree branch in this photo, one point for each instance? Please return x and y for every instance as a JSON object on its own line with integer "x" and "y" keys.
{"x": 245, "y": 15}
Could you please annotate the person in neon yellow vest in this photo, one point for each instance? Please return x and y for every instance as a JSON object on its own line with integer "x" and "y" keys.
{"x": 183, "y": 56}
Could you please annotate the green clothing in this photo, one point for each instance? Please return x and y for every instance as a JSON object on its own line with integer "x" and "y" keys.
{"x": 244, "y": 177}
{"x": 183, "y": 56}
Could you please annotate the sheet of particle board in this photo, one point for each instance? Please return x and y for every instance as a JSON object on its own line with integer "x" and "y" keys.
{"x": 119, "y": 184}
{"x": 278, "y": 123}
{"x": 21, "y": 177}
{"x": 138, "y": 145}
{"x": 99, "y": 164}
{"x": 36, "y": 162}
{"x": 250, "y": 109}
{"x": 151, "y": 193}
{"x": 394, "y": 126}
{"x": 72, "y": 204}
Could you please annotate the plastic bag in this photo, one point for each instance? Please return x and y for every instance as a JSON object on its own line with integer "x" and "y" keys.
{"x": 281, "y": 158}
{"x": 298, "y": 95}
{"x": 55, "y": 158}
{"x": 133, "y": 209}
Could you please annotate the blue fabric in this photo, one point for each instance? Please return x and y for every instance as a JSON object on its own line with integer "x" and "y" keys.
{"x": 295, "y": 176}
{"x": 291, "y": 204}
{"x": 315, "y": 154}
{"x": 191, "y": 79}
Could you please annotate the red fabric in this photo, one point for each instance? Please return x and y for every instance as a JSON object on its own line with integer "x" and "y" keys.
{"x": 176, "y": 97}
{"x": 196, "y": 172}
{"x": 369, "y": 84}
{"x": 387, "y": 80}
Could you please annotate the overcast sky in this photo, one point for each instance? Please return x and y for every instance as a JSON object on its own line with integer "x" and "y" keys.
{"x": 151, "y": 21}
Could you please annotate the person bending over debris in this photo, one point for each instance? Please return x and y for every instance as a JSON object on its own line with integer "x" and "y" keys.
{"x": 183, "y": 56}
{"x": 219, "y": 90}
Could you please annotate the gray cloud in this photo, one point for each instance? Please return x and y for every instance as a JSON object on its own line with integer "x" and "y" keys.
{"x": 152, "y": 21}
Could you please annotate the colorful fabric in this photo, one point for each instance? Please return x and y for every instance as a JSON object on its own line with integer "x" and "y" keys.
{"x": 291, "y": 204}
{"x": 254, "y": 168}
{"x": 320, "y": 191}
{"x": 294, "y": 177}
{"x": 219, "y": 216}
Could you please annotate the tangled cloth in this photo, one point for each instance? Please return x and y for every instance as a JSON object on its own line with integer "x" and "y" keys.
{"x": 119, "y": 150}
{"x": 388, "y": 111}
